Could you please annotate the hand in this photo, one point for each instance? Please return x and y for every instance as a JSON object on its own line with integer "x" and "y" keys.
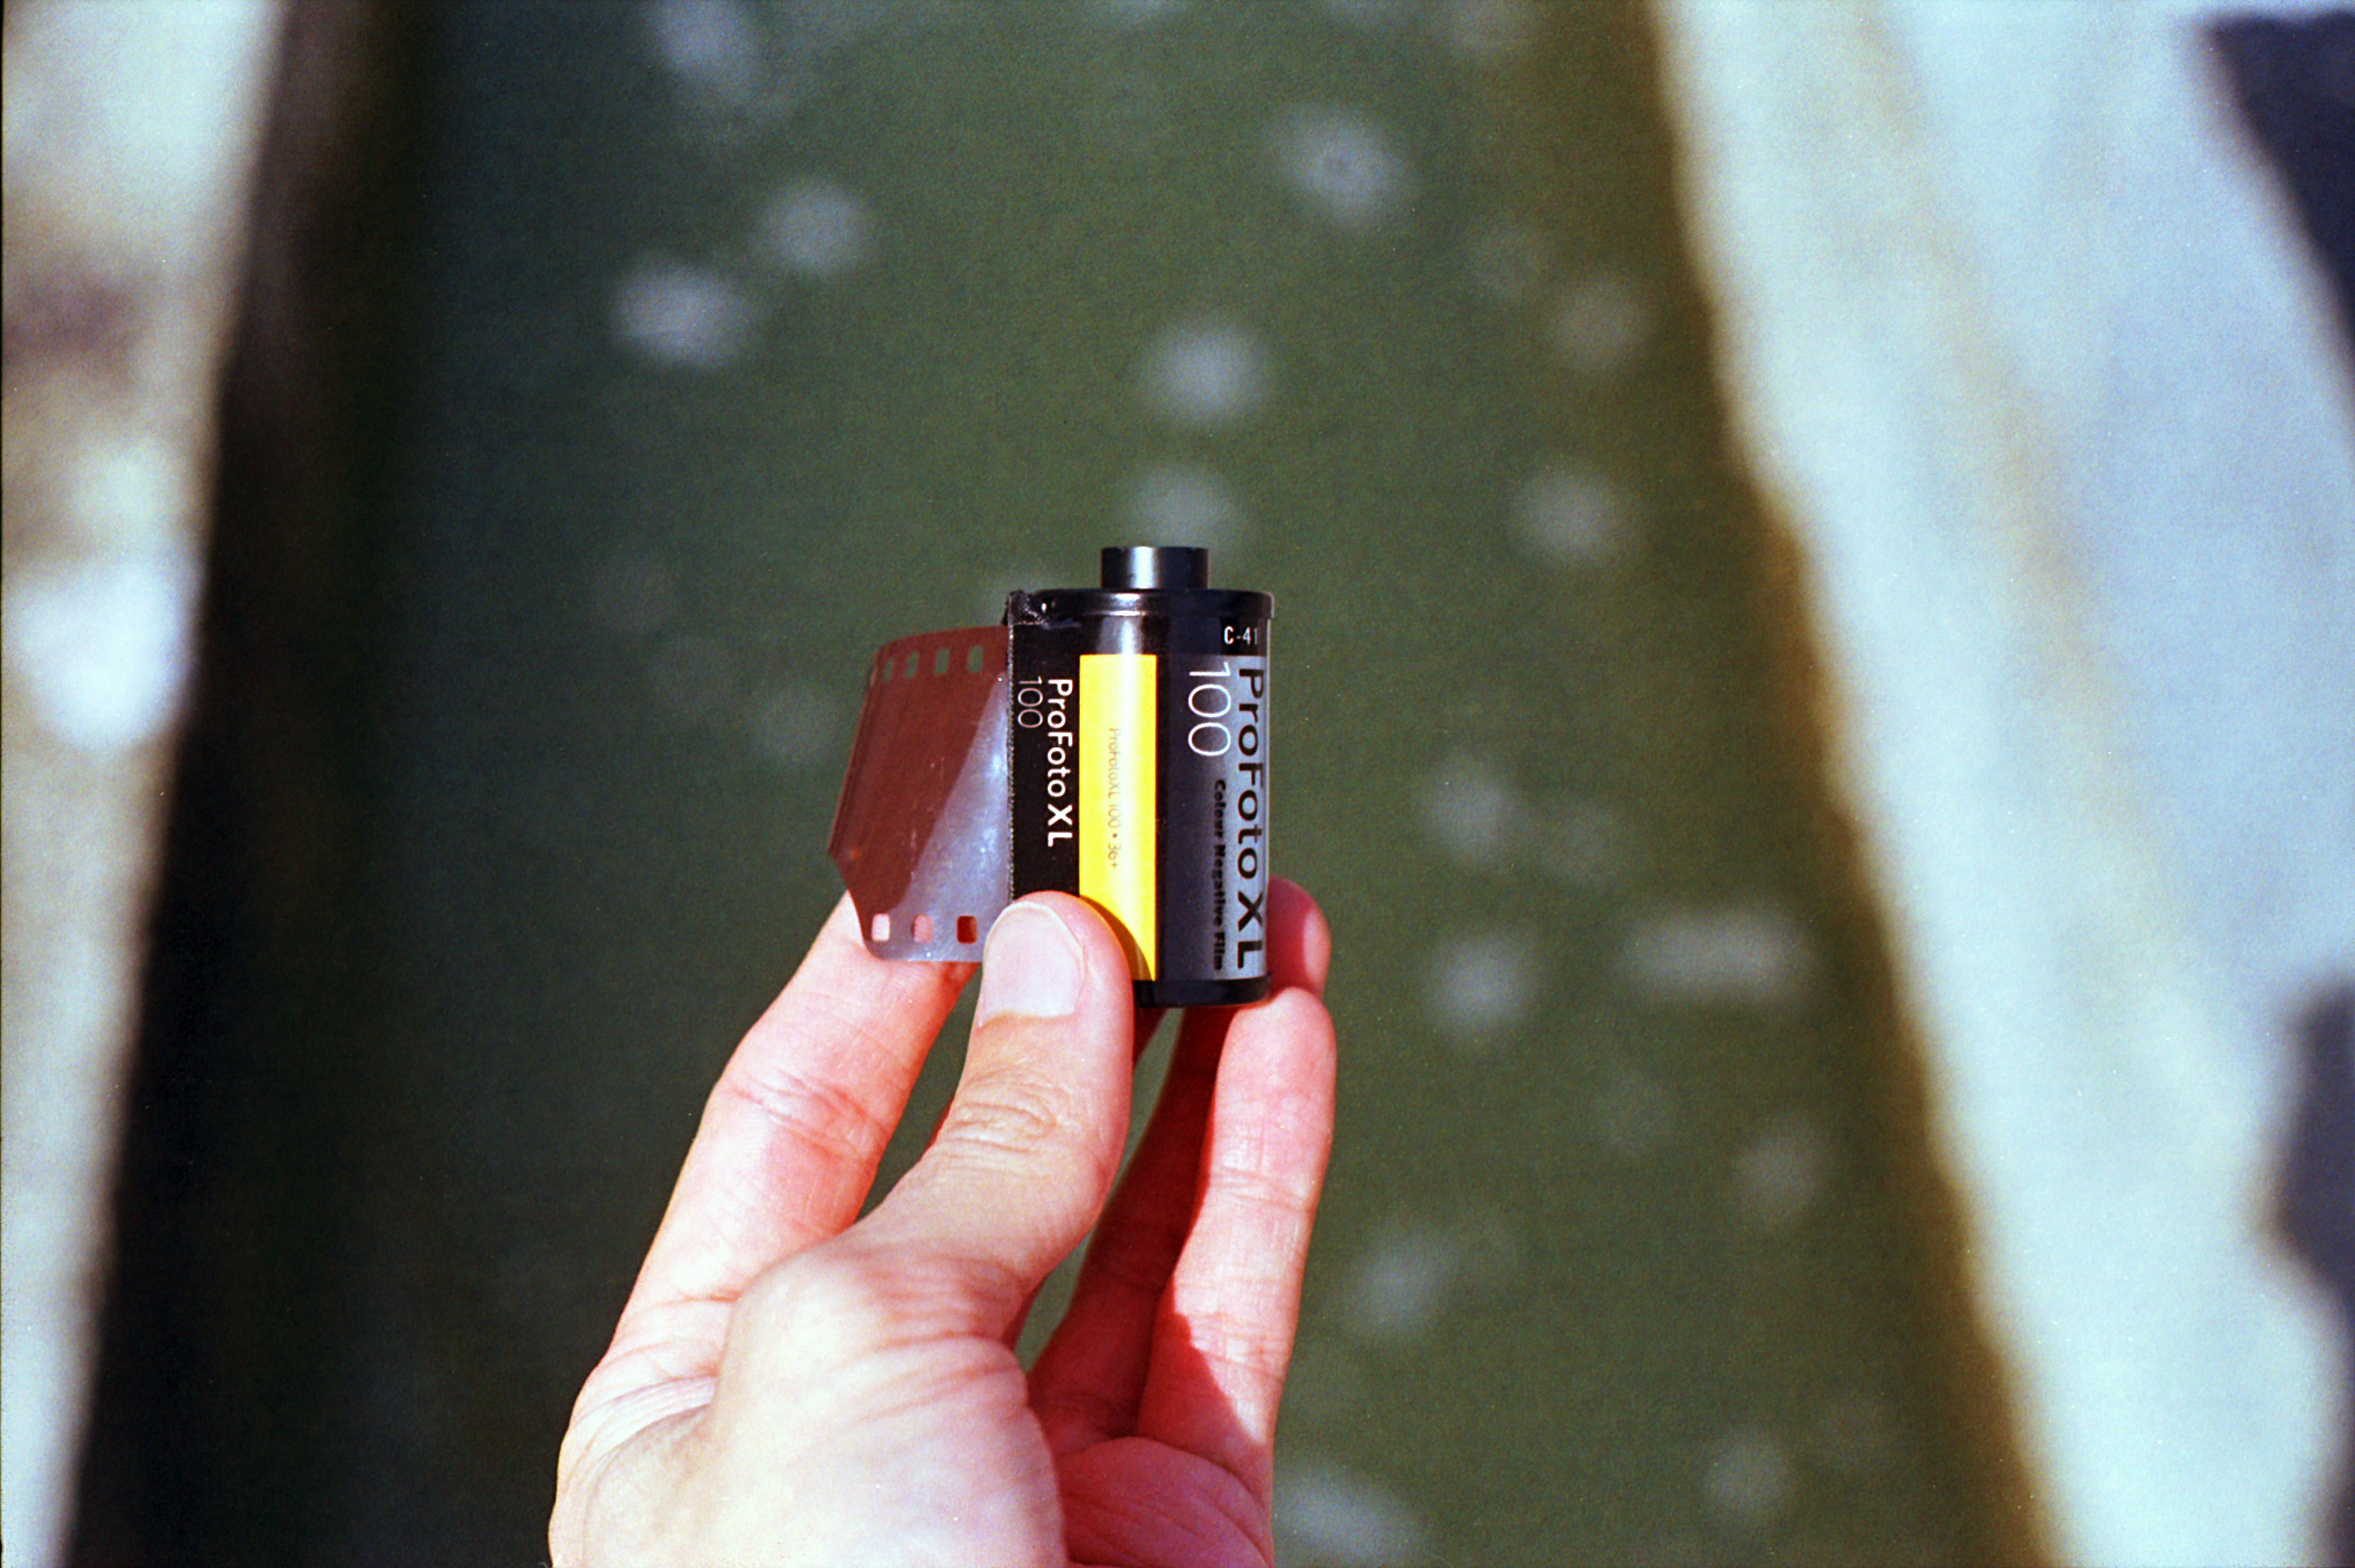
{"x": 788, "y": 1386}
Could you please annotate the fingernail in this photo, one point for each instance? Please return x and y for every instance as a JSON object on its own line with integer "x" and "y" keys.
{"x": 1032, "y": 966}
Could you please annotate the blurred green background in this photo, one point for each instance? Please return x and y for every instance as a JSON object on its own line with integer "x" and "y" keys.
{"x": 669, "y": 357}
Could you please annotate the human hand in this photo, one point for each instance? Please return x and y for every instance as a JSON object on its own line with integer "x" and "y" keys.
{"x": 789, "y": 1386}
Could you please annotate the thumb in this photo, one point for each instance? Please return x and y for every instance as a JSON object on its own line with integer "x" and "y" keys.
{"x": 1027, "y": 1154}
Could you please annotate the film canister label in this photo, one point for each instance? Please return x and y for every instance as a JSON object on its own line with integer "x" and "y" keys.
{"x": 1139, "y": 781}
{"x": 1120, "y": 800}
{"x": 1214, "y": 745}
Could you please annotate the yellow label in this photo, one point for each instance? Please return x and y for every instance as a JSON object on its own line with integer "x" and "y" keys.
{"x": 1120, "y": 803}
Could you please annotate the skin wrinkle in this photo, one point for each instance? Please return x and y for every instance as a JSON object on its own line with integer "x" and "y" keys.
{"x": 1093, "y": 1530}
{"x": 918, "y": 1380}
{"x": 1250, "y": 1162}
{"x": 1250, "y": 1178}
{"x": 899, "y": 1375}
{"x": 664, "y": 1343}
{"x": 585, "y": 1495}
{"x": 1213, "y": 1320}
{"x": 1212, "y": 1336}
{"x": 639, "y": 1421}
{"x": 849, "y": 1299}
{"x": 947, "y": 1277}
{"x": 1007, "y": 1118}
{"x": 998, "y": 1117}
{"x": 621, "y": 1415}
{"x": 807, "y": 1112}
{"x": 1238, "y": 1503}
{"x": 740, "y": 1220}
{"x": 835, "y": 1014}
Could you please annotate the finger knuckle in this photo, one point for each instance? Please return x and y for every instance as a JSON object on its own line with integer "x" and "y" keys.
{"x": 1019, "y": 1122}
{"x": 824, "y": 1119}
{"x": 1254, "y": 1185}
{"x": 1235, "y": 1339}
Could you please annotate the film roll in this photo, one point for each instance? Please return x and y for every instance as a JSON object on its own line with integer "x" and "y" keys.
{"x": 1109, "y": 742}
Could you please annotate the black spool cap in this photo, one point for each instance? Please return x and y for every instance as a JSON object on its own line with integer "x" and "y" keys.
{"x": 1155, "y": 566}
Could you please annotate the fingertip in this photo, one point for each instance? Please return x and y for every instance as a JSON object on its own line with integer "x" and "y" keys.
{"x": 1033, "y": 965}
{"x": 1309, "y": 1043}
{"x": 1104, "y": 961}
{"x": 1303, "y": 953}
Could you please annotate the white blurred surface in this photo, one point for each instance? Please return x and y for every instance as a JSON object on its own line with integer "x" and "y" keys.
{"x": 2023, "y": 345}
{"x": 130, "y": 129}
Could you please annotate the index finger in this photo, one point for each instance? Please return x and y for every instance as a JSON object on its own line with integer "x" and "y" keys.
{"x": 792, "y": 1132}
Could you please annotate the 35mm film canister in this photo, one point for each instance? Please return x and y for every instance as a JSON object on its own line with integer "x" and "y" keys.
{"x": 1109, "y": 742}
